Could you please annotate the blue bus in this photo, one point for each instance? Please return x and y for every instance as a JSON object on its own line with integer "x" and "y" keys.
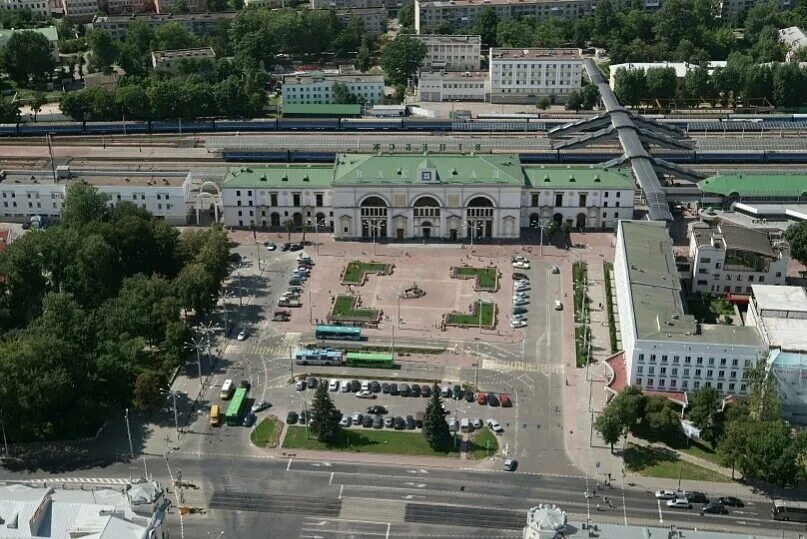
{"x": 342, "y": 333}
{"x": 319, "y": 356}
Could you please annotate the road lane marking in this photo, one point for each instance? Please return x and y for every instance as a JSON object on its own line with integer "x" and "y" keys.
{"x": 330, "y": 481}
{"x": 341, "y": 488}
{"x": 288, "y": 466}
{"x": 388, "y": 527}
{"x": 660, "y": 518}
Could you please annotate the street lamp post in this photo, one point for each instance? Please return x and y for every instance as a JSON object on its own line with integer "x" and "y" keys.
{"x": 316, "y": 231}
{"x": 197, "y": 344}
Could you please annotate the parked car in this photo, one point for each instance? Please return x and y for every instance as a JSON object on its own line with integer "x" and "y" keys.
{"x": 303, "y": 418}
{"x": 520, "y": 302}
{"x": 378, "y": 422}
{"x": 415, "y": 390}
{"x": 495, "y": 426}
{"x": 242, "y": 335}
{"x": 518, "y": 276}
{"x": 469, "y": 396}
{"x": 482, "y": 398}
{"x": 259, "y": 407}
{"x": 270, "y": 246}
{"x": 375, "y": 387}
{"x": 665, "y": 495}
{"x": 345, "y": 421}
{"x": 521, "y": 296}
{"x": 558, "y": 305}
{"x": 345, "y": 386}
{"x": 457, "y": 392}
{"x": 245, "y": 384}
{"x": 521, "y": 288}
{"x": 393, "y": 389}
{"x": 476, "y": 423}
{"x": 404, "y": 390}
{"x": 376, "y": 409}
{"x": 715, "y": 508}
{"x": 365, "y": 386}
{"x": 385, "y": 388}
{"x": 295, "y": 247}
{"x": 312, "y": 383}
{"x": 493, "y": 400}
{"x": 425, "y": 391}
{"x": 679, "y": 503}
{"x": 504, "y": 398}
{"x": 367, "y": 421}
{"x": 334, "y": 385}
{"x": 521, "y": 265}
{"x": 410, "y": 422}
{"x": 355, "y": 386}
{"x": 419, "y": 416}
{"x": 516, "y": 324}
{"x": 357, "y": 418}
{"x": 453, "y": 425}
{"x": 510, "y": 465}
{"x": 291, "y": 418}
{"x": 400, "y": 424}
{"x": 731, "y": 501}
{"x": 301, "y": 385}
{"x": 389, "y": 421}
{"x": 286, "y": 246}
{"x": 696, "y": 497}
{"x": 365, "y": 394}
{"x": 445, "y": 392}
{"x": 519, "y": 310}
{"x": 555, "y": 269}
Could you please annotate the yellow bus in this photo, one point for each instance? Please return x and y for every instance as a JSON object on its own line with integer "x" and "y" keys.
{"x": 215, "y": 416}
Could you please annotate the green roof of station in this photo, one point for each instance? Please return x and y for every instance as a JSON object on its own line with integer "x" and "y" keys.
{"x": 279, "y": 176}
{"x": 319, "y": 109}
{"x": 49, "y": 32}
{"x": 426, "y": 169}
{"x": 751, "y": 185}
{"x": 585, "y": 177}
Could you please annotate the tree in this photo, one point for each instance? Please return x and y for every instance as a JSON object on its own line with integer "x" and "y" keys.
{"x": 590, "y": 95}
{"x": 788, "y": 86}
{"x": 83, "y": 204}
{"x": 173, "y": 35}
{"x": 574, "y": 101}
{"x": 406, "y": 16}
{"x": 543, "y": 103}
{"x": 609, "y": 426}
{"x": 148, "y": 393}
{"x": 27, "y": 55}
{"x": 796, "y": 236}
{"x": 630, "y": 86}
{"x": 486, "y": 26}
{"x": 763, "y": 399}
{"x": 8, "y": 111}
{"x": 130, "y": 100}
{"x": 289, "y": 225}
{"x": 731, "y": 449}
{"x": 705, "y": 413}
{"x": 660, "y": 418}
{"x": 697, "y": 84}
{"x": 661, "y": 83}
{"x": 37, "y": 101}
{"x": 401, "y": 58}
{"x": 435, "y": 427}
{"x": 324, "y": 416}
{"x": 102, "y": 47}
{"x": 364, "y": 58}
{"x": 343, "y": 96}
{"x": 628, "y": 406}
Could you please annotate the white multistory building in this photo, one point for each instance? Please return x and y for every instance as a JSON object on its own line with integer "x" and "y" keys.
{"x": 729, "y": 259}
{"x": 40, "y": 7}
{"x": 451, "y": 53}
{"x": 317, "y": 88}
{"x": 666, "y": 349}
{"x": 525, "y": 75}
{"x": 453, "y": 86}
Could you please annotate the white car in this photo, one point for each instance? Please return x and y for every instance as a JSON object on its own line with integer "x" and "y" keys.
{"x": 495, "y": 426}
{"x": 242, "y": 335}
{"x": 520, "y": 302}
{"x": 515, "y": 324}
{"x": 356, "y": 419}
{"x": 477, "y": 423}
{"x": 334, "y": 385}
{"x": 365, "y": 385}
{"x": 555, "y": 269}
{"x": 345, "y": 422}
{"x": 679, "y": 503}
{"x": 259, "y": 407}
{"x": 521, "y": 265}
{"x": 270, "y": 246}
{"x": 521, "y": 288}
{"x": 345, "y": 386}
{"x": 558, "y": 305}
{"x": 521, "y": 296}
{"x": 519, "y": 258}
{"x": 365, "y": 394}
{"x": 665, "y": 495}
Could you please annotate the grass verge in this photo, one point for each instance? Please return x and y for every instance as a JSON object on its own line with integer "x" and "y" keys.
{"x": 485, "y": 277}
{"x": 485, "y": 444}
{"x": 660, "y": 462}
{"x": 581, "y": 344}
{"x": 368, "y": 441}
{"x": 344, "y": 308}
{"x": 354, "y": 273}
{"x": 267, "y": 432}
{"x": 473, "y": 319}
{"x": 608, "y": 269}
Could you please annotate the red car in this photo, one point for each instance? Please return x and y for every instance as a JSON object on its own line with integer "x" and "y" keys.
{"x": 504, "y": 398}
{"x": 482, "y": 398}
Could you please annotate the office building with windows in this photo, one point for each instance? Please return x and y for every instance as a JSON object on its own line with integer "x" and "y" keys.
{"x": 453, "y": 86}
{"x": 451, "y": 53}
{"x": 525, "y": 75}
{"x": 464, "y": 13}
{"x": 317, "y": 88}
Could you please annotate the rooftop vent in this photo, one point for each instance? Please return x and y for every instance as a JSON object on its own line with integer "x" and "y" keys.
{"x": 306, "y": 178}
{"x": 596, "y": 178}
{"x": 263, "y": 178}
{"x": 285, "y": 178}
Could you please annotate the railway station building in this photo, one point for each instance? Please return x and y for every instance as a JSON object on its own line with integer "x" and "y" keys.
{"x": 424, "y": 196}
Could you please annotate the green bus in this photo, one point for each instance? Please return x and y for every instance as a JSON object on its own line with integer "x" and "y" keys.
{"x": 367, "y": 359}
{"x": 236, "y": 407}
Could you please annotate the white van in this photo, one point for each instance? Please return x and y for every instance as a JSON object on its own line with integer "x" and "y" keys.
{"x": 465, "y": 425}
{"x": 226, "y": 389}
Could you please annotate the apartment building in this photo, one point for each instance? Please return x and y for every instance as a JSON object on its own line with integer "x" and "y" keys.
{"x": 664, "y": 347}
{"x": 50, "y": 33}
{"x": 391, "y": 6}
{"x": 40, "y": 7}
{"x": 173, "y": 6}
{"x": 202, "y": 24}
{"x": 730, "y": 9}
{"x": 451, "y": 53}
{"x": 524, "y": 75}
{"x": 453, "y": 86}
{"x": 373, "y": 19}
{"x": 171, "y": 59}
{"x": 80, "y": 10}
{"x": 463, "y": 13}
{"x": 729, "y": 259}
{"x": 126, "y": 7}
{"x": 316, "y": 88}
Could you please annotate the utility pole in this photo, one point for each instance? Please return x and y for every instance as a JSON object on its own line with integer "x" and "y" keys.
{"x": 176, "y": 415}
{"x": 240, "y": 289}
{"x": 128, "y": 433}
{"x": 196, "y": 343}
{"x": 310, "y": 308}
{"x": 50, "y": 152}
{"x": 5, "y": 442}
{"x": 291, "y": 362}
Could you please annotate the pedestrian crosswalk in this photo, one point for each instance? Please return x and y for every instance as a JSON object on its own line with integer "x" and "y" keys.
{"x": 83, "y": 480}
{"x": 520, "y": 366}
{"x": 271, "y": 348}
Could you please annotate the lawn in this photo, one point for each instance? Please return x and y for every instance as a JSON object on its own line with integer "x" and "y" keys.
{"x": 708, "y": 309}
{"x": 579, "y": 271}
{"x": 344, "y": 309}
{"x": 472, "y": 318}
{"x": 658, "y": 462}
{"x": 368, "y": 441}
{"x": 485, "y": 277}
{"x": 581, "y": 344}
{"x": 266, "y": 433}
{"x": 485, "y": 444}
{"x": 354, "y": 273}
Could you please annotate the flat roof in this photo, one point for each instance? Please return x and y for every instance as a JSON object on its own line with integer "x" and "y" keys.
{"x": 279, "y": 176}
{"x": 783, "y": 185}
{"x": 453, "y": 75}
{"x": 449, "y": 38}
{"x": 205, "y": 52}
{"x": 290, "y": 108}
{"x": 122, "y": 180}
{"x": 319, "y": 76}
{"x": 578, "y": 177}
{"x": 736, "y": 237}
{"x": 483, "y": 3}
{"x": 536, "y": 54}
{"x": 159, "y": 17}
{"x": 419, "y": 169}
{"x": 49, "y": 32}
{"x": 782, "y": 312}
{"x": 780, "y": 298}
{"x": 655, "y": 292}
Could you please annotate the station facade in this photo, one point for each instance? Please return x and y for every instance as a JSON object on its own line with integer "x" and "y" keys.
{"x": 424, "y": 196}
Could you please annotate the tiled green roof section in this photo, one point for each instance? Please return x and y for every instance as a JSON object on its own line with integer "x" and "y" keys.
{"x": 655, "y": 290}
{"x": 297, "y": 176}
{"x": 463, "y": 169}
{"x": 750, "y": 185}
{"x": 337, "y": 110}
{"x": 578, "y": 178}
{"x": 49, "y": 32}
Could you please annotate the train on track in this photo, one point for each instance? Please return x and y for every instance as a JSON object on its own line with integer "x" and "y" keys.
{"x": 484, "y": 123}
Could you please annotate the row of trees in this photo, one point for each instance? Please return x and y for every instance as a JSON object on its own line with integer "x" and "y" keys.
{"x": 325, "y": 420}
{"x": 90, "y": 313}
{"x": 749, "y": 435}
{"x": 783, "y": 85}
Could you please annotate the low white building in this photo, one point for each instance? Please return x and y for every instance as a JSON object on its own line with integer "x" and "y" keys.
{"x": 167, "y": 197}
{"x": 316, "y": 88}
{"x": 585, "y": 197}
{"x": 37, "y": 512}
{"x": 793, "y": 38}
{"x": 665, "y": 349}
{"x": 453, "y": 86}
{"x": 525, "y": 75}
{"x": 170, "y": 59}
{"x": 450, "y": 52}
{"x": 729, "y": 259}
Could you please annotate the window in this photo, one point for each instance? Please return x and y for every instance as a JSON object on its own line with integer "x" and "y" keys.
{"x": 640, "y": 369}
{"x": 273, "y": 199}
{"x": 641, "y": 357}
{"x": 675, "y": 360}
{"x": 535, "y": 200}
{"x": 618, "y": 193}
{"x": 664, "y": 358}
{"x": 697, "y": 372}
{"x": 722, "y": 361}
{"x": 652, "y": 357}
{"x": 731, "y": 387}
{"x": 696, "y": 385}
{"x": 675, "y": 371}
{"x": 721, "y": 374}
{"x": 709, "y": 373}
{"x": 761, "y": 278}
{"x": 296, "y": 199}
{"x": 685, "y": 384}
{"x": 733, "y": 375}
{"x": 239, "y": 213}
{"x": 638, "y": 381}
{"x": 747, "y": 363}
{"x": 651, "y": 370}
{"x": 319, "y": 199}
{"x": 661, "y": 382}
{"x": 734, "y": 362}
{"x": 686, "y": 372}
{"x": 778, "y": 274}
{"x": 705, "y": 260}
{"x": 663, "y": 370}
{"x": 742, "y": 388}
{"x": 650, "y": 382}
{"x": 699, "y": 361}
{"x": 750, "y": 278}
{"x": 688, "y": 360}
